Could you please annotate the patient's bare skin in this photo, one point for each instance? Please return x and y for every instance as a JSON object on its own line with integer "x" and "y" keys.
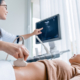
{"x": 75, "y": 59}
{"x": 33, "y": 71}
{"x": 38, "y": 71}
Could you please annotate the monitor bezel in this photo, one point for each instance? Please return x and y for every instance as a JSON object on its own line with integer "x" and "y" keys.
{"x": 59, "y": 30}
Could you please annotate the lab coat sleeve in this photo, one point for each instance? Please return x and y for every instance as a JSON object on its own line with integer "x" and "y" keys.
{"x": 7, "y": 37}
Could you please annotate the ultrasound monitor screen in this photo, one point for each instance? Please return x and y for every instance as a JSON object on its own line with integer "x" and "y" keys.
{"x": 51, "y": 29}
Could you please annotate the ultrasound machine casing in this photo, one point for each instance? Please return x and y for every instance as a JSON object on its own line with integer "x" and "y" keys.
{"x": 50, "y": 33}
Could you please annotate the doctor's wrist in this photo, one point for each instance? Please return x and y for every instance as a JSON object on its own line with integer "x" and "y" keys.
{"x": 32, "y": 33}
{"x": 2, "y": 45}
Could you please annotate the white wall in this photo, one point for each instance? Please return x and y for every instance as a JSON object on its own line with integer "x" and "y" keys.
{"x": 78, "y": 9}
{"x": 16, "y": 20}
{"x": 36, "y": 9}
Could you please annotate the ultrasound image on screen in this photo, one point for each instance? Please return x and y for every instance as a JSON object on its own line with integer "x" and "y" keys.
{"x": 50, "y": 29}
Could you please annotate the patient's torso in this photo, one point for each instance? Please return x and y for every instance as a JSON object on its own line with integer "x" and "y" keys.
{"x": 59, "y": 70}
{"x": 64, "y": 70}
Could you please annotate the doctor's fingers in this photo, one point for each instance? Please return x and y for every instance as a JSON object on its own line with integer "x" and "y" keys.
{"x": 25, "y": 53}
{"x": 39, "y": 33}
{"x": 40, "y": 29}
{"x": 18, "y": 53}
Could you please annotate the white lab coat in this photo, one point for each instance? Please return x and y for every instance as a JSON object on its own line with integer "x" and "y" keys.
{"x": 7, "y": 37}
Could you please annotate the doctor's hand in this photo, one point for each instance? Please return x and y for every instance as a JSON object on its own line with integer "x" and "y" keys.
{"x": 37, "y": 31}
{"x": 16, "y": 50}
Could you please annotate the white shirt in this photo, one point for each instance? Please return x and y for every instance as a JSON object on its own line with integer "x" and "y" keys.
{"x": 7, "y": 37}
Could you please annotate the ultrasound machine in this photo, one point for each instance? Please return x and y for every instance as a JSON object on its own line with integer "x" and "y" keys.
{"x": 50, "y": 33}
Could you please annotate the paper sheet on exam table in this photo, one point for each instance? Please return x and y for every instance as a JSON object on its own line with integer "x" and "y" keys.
{"x": 6, "y": 71}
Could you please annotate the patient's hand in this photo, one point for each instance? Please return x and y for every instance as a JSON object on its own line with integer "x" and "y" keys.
{"x": 33, "y": 71}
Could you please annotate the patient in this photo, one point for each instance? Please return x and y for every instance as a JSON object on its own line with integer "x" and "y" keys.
{"x": 50, "y": 70}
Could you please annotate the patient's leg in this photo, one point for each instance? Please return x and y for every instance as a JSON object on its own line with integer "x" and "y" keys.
{"x": 33, "y": 71}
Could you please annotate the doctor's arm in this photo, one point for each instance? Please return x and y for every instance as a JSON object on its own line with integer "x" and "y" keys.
{"x": 35, "y": 32}
{"x": 16, "y": 50}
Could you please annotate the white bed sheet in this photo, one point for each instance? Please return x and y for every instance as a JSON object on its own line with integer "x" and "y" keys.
{"x": 6, "y": 71}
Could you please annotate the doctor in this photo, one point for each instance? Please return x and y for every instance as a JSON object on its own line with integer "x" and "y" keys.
{"x": 6, "y": 39}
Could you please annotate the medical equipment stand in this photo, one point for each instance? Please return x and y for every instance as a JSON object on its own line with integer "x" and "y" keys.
{"x": 48, "y": 55}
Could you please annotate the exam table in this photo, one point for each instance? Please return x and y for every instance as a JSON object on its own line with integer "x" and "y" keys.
{"x": 6, "y": 71}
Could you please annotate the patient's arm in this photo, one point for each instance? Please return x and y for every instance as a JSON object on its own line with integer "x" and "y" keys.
{"x": 33, "y": 71}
